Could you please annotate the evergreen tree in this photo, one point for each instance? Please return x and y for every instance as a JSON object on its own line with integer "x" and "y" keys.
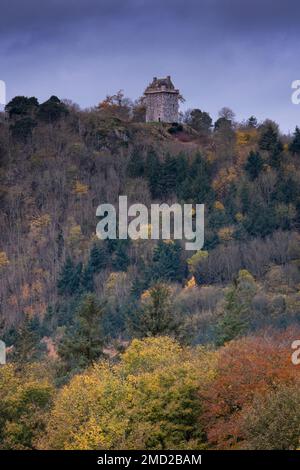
{"x": 168, "y": 177}
{"x": 166, "y": 263}
{"x": 52, "y": 110}
{"x": 87, "y": 279}
{"x": 22, "y": 129}
{"x": 294, "y": 147}
{"x": 25, "y": 343}
{"x": 136, "y": 166}
{"x": 252, "y": 122}
{"x": 84, "y": 342}
{"x": 153, "y": 173}
{"x": 120, "y": 260}
{"x": 197, "y": 186}
{"x": 156, "y": 315}
{"x": 70, "y": 278}
{"x": 268, "y": 138}
{"x": 235, "y": 320}
{"x": 98, "y": 258}
{"x": 200, "y": 121}
{"x": 254, "y": 165}
{"x": 276, "y": 155}
{"x": 21, "y": 106}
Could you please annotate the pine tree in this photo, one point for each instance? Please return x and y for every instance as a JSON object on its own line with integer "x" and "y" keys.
{"x": 254, "y": 165}
{"x": 294, "y": 147}
{"x": 98, "y": 258}
{"x": 156, "y": 316}
{"x": 235, "y": 320}
{"x": 70, "y": 278}
{"x": 25, "y": 344}
{"x": 269, "y": 138}
{"x": 87, "y": 279}
{"x": 84, "y": 342}
{"x": 153, "y": 173}
{"x": 136, "y": 167}
{"x": 168, "y": 176}
{"x": 120, "y": 260}
{"x": 166, "y": 263}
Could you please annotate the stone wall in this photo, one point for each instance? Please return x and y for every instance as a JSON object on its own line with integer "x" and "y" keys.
{"x": 162, "y": 106}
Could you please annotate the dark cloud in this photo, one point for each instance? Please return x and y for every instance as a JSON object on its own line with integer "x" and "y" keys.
{"x": 220, "y": 52}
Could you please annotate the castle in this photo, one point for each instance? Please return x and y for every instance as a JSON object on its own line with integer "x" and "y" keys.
{"x": 161, "y": 100}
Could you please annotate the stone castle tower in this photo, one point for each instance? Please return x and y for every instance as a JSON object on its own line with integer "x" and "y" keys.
{"x": 161, "y": 100}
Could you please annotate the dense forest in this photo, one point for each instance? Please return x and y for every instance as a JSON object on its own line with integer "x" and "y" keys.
{"x": 140, "y": 344}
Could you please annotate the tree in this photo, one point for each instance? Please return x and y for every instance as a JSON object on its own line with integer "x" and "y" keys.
{"x": 156, "y": 315}
{"x": 22, "y": 129}
{"x": 136, "y": 166}
{"x": 21, "y": 106}
{"x": 148, "y": 400}
{"x": 166, "y": 262}
{"x": 25, "y": 343}
{"x": 273, "y": 421}
{"x": 294, "y": 146}
{"x": 254, "y": 165}
{"x": 25, "y": 399}
{"x": 120, "y": 260}
{"x": 237, "y": 308}
{"x": 247, "y": 368}
{"x": 252, "y": 122}
{"x": 70, "y": 278}
{"x": 52, "y": 110}
{"x": 83, "y": 343}
{"x": 152, "y": 172}
{"x": 98, "y": 258}
{"x": 200, "y": 121}
{"x": 197, "y": 186}
{"x": 227, "y": 114}
{"x": 269, "y": 137}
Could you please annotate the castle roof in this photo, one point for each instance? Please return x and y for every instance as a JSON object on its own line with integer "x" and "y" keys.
{"x": 159, "y": 85}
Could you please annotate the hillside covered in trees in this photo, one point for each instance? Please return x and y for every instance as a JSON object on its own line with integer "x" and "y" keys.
{"x": 122, "y": 344}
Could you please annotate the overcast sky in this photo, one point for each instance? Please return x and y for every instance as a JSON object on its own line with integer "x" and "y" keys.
{"x": 236, "y": 53}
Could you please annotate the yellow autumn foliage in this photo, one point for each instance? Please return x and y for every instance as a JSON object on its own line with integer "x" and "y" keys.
{"x": 4, "y": 261}
{"x": 80, "y": 188}
{"x": 194, "y": 260}
{"x": 149, "y": 400}
{"x": 219, "y": 206}
{"x": 226, "y": 233}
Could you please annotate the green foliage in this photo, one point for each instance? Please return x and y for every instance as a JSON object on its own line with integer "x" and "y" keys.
{"x": 25, "y": 399}
{"x": 52, "y": 110}
{"x": 136, "y": 165}
{"x": 98, "y": 258}
{"x": 120, "y": 259}
{"x": 274, "y": 421}
{"x": 149, "y": 400}
{"x": 269, "y": 138}
{"x": 200, "y": 121}
{"x": 70, "y": 278}
{"x": 83, "y": 343}
{"x": 235, "y": 319}
{"x": 156, "y": 316}
{"x": 22, "y": 129}
{"x": 21, "y": 106}
{"x": 254, "y": 165}
{"x": 25, "y": 343}
{"x": 166, "y": 263}
{"x": 294, "y": 147}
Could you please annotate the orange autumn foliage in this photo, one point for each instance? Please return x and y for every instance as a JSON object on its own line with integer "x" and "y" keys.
{"x": 247, "y": 367}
